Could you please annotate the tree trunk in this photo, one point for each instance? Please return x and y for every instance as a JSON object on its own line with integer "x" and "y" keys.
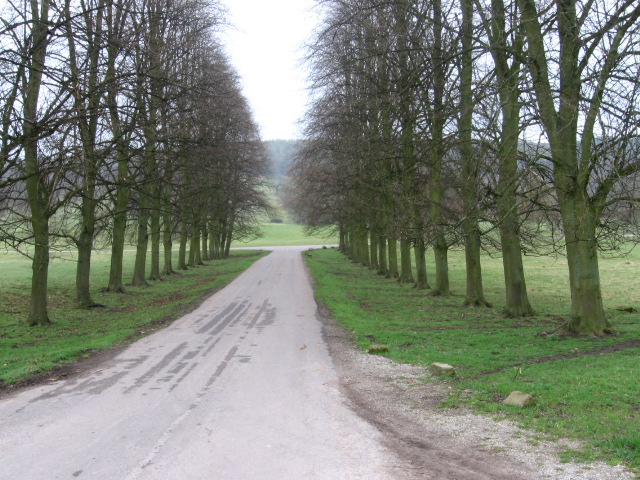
{"x": 223, "y": 238}
{"x": 155, "y": 234}
{"x": 406, "y": 274}
{"x": 436, "y": 194}
{"x": 119, "y": 226}
{"x": 38, "y": 314}
{"x": 212, "y": 240}
{"x": 440, "y": 255}
{"x": 205, "y": 242}
{"x": 37, "y": 196}
{"x": 122, "y": 155}
{"x": 197, "y": 246}
{"x": 215, "y": 241}
{"x": 470, "y": 227}
{"x": 587, "y": 310}
{"x": 227, "y": 245}
{"x": 517, "y": 301}
{"x": 167, "y": 238}
{"x": 87, "y": 99}
{"x": 364, "y": 247}
{"x": 422, "y": 282}
{"x": 182, "y": 252}
{"x": 85, "y": 247}
{"x": 192, "y": 246}
{"x": 140, "y": 265}
{"x": 373, "y": 251}
{"x": 507, "y": 59}
{"x": 393, "y": 258}
{"x": 382, "y": 256}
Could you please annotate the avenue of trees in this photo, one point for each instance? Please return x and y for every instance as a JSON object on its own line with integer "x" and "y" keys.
{"x": 122, "y": 122}
{"x": 507, "y": 125}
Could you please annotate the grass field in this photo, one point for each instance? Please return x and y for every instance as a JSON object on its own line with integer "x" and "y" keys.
{"x": 27, "y": 351}
{"x": 285, "y": 234}
{"x": 586, "y": 388}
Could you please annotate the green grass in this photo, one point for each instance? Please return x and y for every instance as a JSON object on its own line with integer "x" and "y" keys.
{"x": 28, "y": 351}
{"x": 285, "y": 234}
{"x": 586, "y": 388}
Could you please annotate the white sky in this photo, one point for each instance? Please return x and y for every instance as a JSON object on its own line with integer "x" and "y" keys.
{"x": 265, "y": 46}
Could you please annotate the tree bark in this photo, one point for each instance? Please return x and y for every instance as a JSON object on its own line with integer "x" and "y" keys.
{"x": 142, "y": 243}
{"x": 470, "y": 227}
{"x": 517, "y": 301}
{"x": 439, "y": 244}
{"x": 167, "y": 235}
{"x": 393, "y": 258}
{"x": 422, "y": 281}
{"x": 38, "y": 312}
{"x": 440, "y": 251}
{"x": 155, "y": 234}
{"x": 121, "y": 201}
{"x": 406, "y": 274}
{"x": 382, "y": 256}
{"x": 373, "y": 250}
{"x": 37, "y": 196}
{"x": 205, "y": 241}
{"x": 182, "y": 252}
{"x": 119, "y": 225}
{"x": 587, "y": 310}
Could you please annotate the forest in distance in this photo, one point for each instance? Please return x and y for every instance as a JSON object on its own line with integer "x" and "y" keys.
{"x": 504, "y": 125}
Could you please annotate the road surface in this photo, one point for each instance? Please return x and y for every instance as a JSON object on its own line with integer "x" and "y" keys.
{"x": 241, "y": 388}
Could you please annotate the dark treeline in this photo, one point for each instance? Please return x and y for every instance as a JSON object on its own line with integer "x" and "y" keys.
{"x": 281, "y": 154}
{"x": 497, "y": 124}
{"x": 122, "y": 122}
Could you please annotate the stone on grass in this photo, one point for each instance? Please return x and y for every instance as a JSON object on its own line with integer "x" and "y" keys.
{"x": 442, "y": 370}
{"x": 519, "y": 399}
{"x": 378, "y": 348}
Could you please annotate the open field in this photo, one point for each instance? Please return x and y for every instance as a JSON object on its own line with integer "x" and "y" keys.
{"x": 285, "y": 234}
{"x": 75, "y": 333}
{"x": 586, "y": 388}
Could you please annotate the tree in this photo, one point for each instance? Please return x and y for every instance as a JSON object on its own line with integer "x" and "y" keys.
{"x": 582, "y": 58}
{"x": 505, "y": 43}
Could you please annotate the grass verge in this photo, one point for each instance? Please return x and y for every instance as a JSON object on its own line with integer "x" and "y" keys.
{"x": 587, "y": 389}
{"x": 76, "y": 333}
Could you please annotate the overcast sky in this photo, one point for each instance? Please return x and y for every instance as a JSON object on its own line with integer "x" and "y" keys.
{"x": 264, "y": 44}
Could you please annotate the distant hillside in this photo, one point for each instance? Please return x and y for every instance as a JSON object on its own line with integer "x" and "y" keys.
{"x": 281, "y": 154}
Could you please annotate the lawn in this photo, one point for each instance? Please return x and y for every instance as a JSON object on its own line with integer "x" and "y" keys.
{"x": 286, "y": 234}
{"x": 28, "y": 351}
{"x": 586, "y": 388}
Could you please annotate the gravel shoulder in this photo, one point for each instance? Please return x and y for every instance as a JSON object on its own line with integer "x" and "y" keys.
{"x": 451, "y": 444}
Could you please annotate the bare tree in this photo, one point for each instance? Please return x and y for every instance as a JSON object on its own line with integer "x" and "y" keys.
{"x": 583, "y": 60}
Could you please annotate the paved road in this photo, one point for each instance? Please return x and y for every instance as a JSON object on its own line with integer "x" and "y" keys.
{"x": 242, "y": 388}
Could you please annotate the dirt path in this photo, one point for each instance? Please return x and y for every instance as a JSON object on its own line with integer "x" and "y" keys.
{"x": 446, "y": 444}
{"x": 256, "y": 384}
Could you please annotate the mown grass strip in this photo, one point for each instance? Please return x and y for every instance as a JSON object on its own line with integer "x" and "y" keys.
{"x": 28, "y": 351}
{"x": 586, "y": 388}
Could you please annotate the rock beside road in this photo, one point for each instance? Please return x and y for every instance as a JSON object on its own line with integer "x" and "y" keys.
{"x": 519, "y": 399}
